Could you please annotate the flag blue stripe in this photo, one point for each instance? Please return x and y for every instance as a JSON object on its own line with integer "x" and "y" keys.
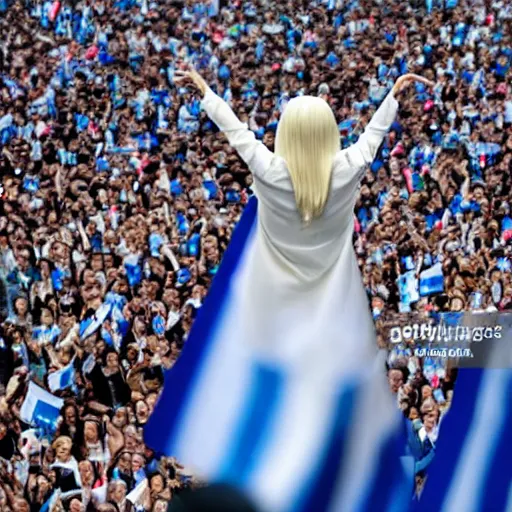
{"x": 317, "y": 493}
{"x": 432, "y": 284}
{"x": 388, "y": 476}
{"x": 451, "y": 443}
{"x": 163, "y": 426}
{"x": 256, "y": 421}
{"x": 402, "y": 492}
{"x": 499, "y": 474}
{"x": 47, "y": 503}
{"x": 66, "y": 378}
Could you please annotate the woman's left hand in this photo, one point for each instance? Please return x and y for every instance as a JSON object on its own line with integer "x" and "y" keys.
{"x": 191, "y": 76}
{"x": 406, "y": 80}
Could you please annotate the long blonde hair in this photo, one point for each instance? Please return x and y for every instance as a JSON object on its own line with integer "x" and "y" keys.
{"x": 308, "y": 139}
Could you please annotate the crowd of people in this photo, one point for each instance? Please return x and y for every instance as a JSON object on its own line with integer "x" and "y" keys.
{"x": 119, "y": 198}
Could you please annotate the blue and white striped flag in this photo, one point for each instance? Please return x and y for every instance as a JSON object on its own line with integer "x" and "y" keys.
{"x": 432, "y": 280}
{"x": 472, "y": 471}
{"x": 91, "y": 324}
{"x": 63, "y": 378}
{"x": 41, "y": 408}
{"x": 291, "y": 439}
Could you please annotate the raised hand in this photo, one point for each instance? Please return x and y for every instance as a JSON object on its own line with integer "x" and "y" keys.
{"x": 406, "y": 80}
{"x": 190, "y": 76}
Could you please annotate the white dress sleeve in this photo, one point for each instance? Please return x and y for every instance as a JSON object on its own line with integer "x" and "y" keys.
{"x": 363, "y": 152}
{"x": 253, "y": 152}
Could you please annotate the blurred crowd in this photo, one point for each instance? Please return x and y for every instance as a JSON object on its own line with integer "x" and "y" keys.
{"x": 119, "y": 198}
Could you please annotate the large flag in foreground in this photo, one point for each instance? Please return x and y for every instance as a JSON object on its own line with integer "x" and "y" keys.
{"x": 472, "y": 470}
{"x": 293, "y": 438}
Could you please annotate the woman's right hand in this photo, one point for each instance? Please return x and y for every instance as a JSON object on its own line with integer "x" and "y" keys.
{"x": 405, "y": 80}
{"x": 191, "y": 76}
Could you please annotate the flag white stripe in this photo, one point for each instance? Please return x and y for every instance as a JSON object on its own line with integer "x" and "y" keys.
{"x": 136, "y": 495}
{"x": 208, "y": 404}
{"x": 54, "y": 380}
{"x": 303, "y": 425}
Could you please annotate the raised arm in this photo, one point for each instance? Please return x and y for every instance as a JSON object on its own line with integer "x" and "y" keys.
{"x": 253, "y": 152}
{"x": 363, "y": 152}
